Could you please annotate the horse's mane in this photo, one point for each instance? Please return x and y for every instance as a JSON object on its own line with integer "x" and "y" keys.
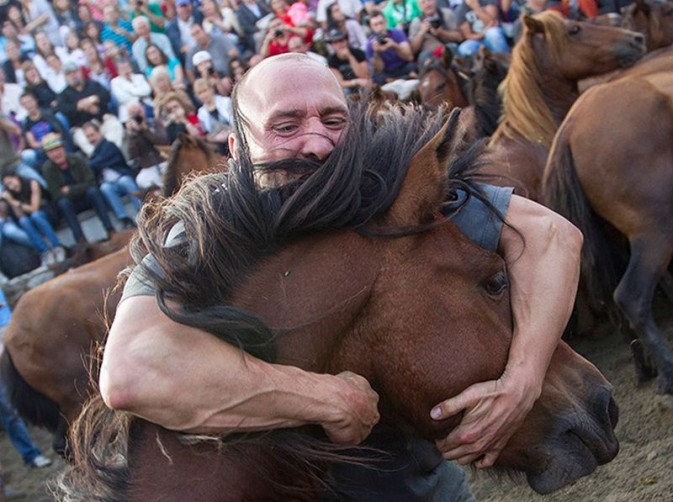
{"x": 483, "y": 94}
{"x": 230, "y": 225}
{"x": 525, "y": 112}
{"x": 172, "y": 177}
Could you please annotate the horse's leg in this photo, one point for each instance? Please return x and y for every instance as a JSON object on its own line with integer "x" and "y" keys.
{"x": 666, "y": 284}
{"x": 634, "y": 294}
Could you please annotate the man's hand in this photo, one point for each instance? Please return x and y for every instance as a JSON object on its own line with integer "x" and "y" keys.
{"x": 355, "y": 412}
{"x": 493, "y": 410}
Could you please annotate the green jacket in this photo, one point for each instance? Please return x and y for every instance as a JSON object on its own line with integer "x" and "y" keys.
{"x": 80, "y": 171}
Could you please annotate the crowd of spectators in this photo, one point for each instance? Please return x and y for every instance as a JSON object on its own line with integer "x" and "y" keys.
{"x": 90, "y": 90}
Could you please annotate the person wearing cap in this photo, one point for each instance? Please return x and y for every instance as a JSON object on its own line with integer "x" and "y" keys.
{"x": 141, "y": 25}
{"x": 72, "y": 186}
{"x": 348, "y": 64}
{"x": 220, "y": 48}
{"x": 202, "y": 62}
{"x": 178, "y": 29}
{"x": 86, "y": 100}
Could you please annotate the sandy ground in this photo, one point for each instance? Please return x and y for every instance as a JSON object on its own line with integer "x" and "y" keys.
{"x": 643, "y": 470}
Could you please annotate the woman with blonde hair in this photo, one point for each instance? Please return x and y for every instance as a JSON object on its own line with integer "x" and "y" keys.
{"x": 179, "y": 116}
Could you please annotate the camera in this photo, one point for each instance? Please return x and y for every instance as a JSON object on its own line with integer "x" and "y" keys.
{"x": 211, "y": 71}
{"x": 278, "y": 33}
{"x": 138, "y": 119}
{"x": 381, "y": 38}
{"x": 435, "y": 22}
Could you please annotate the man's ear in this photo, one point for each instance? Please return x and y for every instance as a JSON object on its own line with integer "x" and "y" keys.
{"x": 233, "y": 146}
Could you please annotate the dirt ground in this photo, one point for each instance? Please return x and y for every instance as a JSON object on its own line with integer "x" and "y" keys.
{"x": 643, "y": 470}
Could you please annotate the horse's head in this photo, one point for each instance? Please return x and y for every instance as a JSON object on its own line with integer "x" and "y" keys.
{"x": 423, "y": 313}
{"x": 440, "y": 83}
{"x": 654, "y": 20}
{"x": 189, "y": 156}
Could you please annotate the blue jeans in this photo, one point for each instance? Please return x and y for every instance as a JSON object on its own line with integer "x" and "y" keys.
{"x": 70, "y": 207}
{"x": 16, "y": 428}
{"x": 115, "y": 190}
{"x": 14, "y": 233}
{"x": 36, "y": 224}
{"x": 494, "y": 40}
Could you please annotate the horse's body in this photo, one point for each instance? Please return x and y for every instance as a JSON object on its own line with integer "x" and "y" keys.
{"x": 550, "y": 58}
{"x": 613, "y": 156}
{"x": 421, "y": 316}
{"x": 54, "y": 326}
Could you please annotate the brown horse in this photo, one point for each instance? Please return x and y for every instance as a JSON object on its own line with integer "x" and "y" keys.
{"x": 189, "y": 155}
{"x": 55, "y": 325}
{"x": 550, "y": 58}
{"x": 354, "y": 269}
{"x": 653, "y": 19}
{"x": 442, "y": 83}
{"x": 612, "y": 160}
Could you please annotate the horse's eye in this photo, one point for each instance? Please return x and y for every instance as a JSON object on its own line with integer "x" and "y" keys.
{"x": 575, "y": 29}
{"x": 497, "y": 284}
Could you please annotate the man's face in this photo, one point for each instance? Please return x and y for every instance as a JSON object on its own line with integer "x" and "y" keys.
{"x": 205, "y": 95}
{"x": 142, "y": 29}
{"x": 74, "y": 78}
{"x": 29, "y": 103}
{"x": 199, "y": 35}
{"x": 300, "y": 113}
{"x": 429, "y": 7}
{"x": 92, "y": 135}
{"x": 124, "y": 68}
{"x": 57, "y": 155}
{"x": 185, "y": 11}
{"x": 378, "y": 24}
{"x": 110, "y": 15}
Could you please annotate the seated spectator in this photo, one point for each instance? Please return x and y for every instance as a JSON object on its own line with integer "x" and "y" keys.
{"x": 249, "y": 14}
{"x": 129, "y": 87}
{"x": 119, "y": 31}
{"x": 180, "y": 117}
{"x": 44, "y": 47}
{"x": 143, "y": 134}
{"x": 150, "y": 10}
{"x": 98, "y": 69}
{"x": 72, "y": 186}
{"x": 9, "y": 98}
{"x": 46, "y": 97}
{"x": 478, "y": 21}
{"x": 141, "y": 26}
{"x": 11, "y": 231}
{"x": 83, "y": 101}
{"x": 400, "y": 13}
{"x": 337, "y": 20}
{"x": 388, "y": 51}
{"x": 202, "y": 63}
{"x": 66, "y": 16}
{"x": 435, "y": 28}
{"x": 73, "y": 49}
{"x": 220, "y": 19}
{"x": 161, "y": 84}
{"x": 348, "y": 64}
{"x": 348, "y": 9}
{"x": 92, "y": 31}
{"x": 13, "y": 64}
{"x": 215, "y": 115}
{"x": 115, "y": 178}
{"x": 9, "y": 158}
{"x": 39, "y": 14}
{"x": 220, "y": 48}
{"x": 25, "y": 41}
{"x": 37, "y": 124}
{"x": 178, "y": 29}
{"x": 54, "y": 74}
{"x": 296, "y": 44}
{"x": 29, "y": 208}
{"x": 85, "y": 13}
{"x": 156, "y": 58}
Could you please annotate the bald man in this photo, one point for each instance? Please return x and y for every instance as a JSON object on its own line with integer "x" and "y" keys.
{"x": 289, "y": 106}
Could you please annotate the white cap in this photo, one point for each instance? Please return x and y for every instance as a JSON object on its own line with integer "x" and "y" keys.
{"x": 200, "y": 57}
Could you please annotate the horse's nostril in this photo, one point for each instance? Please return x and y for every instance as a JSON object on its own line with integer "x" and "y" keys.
{"x": 639, "y": 38}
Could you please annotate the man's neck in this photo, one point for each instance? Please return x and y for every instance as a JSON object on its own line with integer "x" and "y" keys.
{"x": 35, "y": 114}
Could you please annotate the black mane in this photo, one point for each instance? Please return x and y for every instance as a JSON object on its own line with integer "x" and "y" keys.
{"x": 230, "y": 225}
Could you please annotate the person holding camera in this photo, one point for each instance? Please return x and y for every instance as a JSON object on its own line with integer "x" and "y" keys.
{"x": 437, "y": 27}
{"x": 180, "y": 117}
{"x": 142, "y": 136}
{"x": 388, "y": 51}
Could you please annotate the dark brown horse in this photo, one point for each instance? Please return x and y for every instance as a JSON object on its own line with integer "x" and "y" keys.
{"x": 550, "y": 58}
{"x": 443, "y": 83}
{"x": 55, "y": 325}
{"x": 612, "y": 161}
{"x": 354, "y": 269}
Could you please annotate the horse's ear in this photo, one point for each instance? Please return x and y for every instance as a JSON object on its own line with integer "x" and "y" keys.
{"x": 447, "y": 58}
{"x": 423, "y": 188}
{"x": 533, "y": 26}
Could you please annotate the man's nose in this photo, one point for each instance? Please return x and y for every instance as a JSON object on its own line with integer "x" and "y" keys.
{"x": 317, "y": 142}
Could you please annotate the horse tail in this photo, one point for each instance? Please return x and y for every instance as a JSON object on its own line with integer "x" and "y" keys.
{"x": 98, "y": 453}
{"x": 33, "y": 406}
{"x": 602, "y": 263}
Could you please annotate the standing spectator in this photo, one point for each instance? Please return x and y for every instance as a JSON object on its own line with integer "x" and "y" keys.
{"x": 18, "y": 433}
{"x": 388, "y": 51}
{"x": 478, "y": 21}
{"x": 434, "y": 29}
{"x": 37, "y": 124}
{"x": 337, "y": 20}
{"x": 114, "y": 177}
{"x": 220, "y": 48}
{"x": 39, "y": 14}
{"x": 27, "y": 202}
{"x": 215, "y": 115}
{"x": 249, "y": 13}
{"x": 72, "y": 186}
{"x": 143, "y": 135}
{"x": 350, "y": 9}
{"x": 348, "y": 64}
{"x": 400, "y": 13}
{"x": 151, "y": 11}
{"x": 83, "y": 101}
{"x": 120, "y": 31}
{"x": 156, "y": 58}
{"x": 129, "y": 87}
{"x": 179, "y": 28}
{"x": 141, "y": 26}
